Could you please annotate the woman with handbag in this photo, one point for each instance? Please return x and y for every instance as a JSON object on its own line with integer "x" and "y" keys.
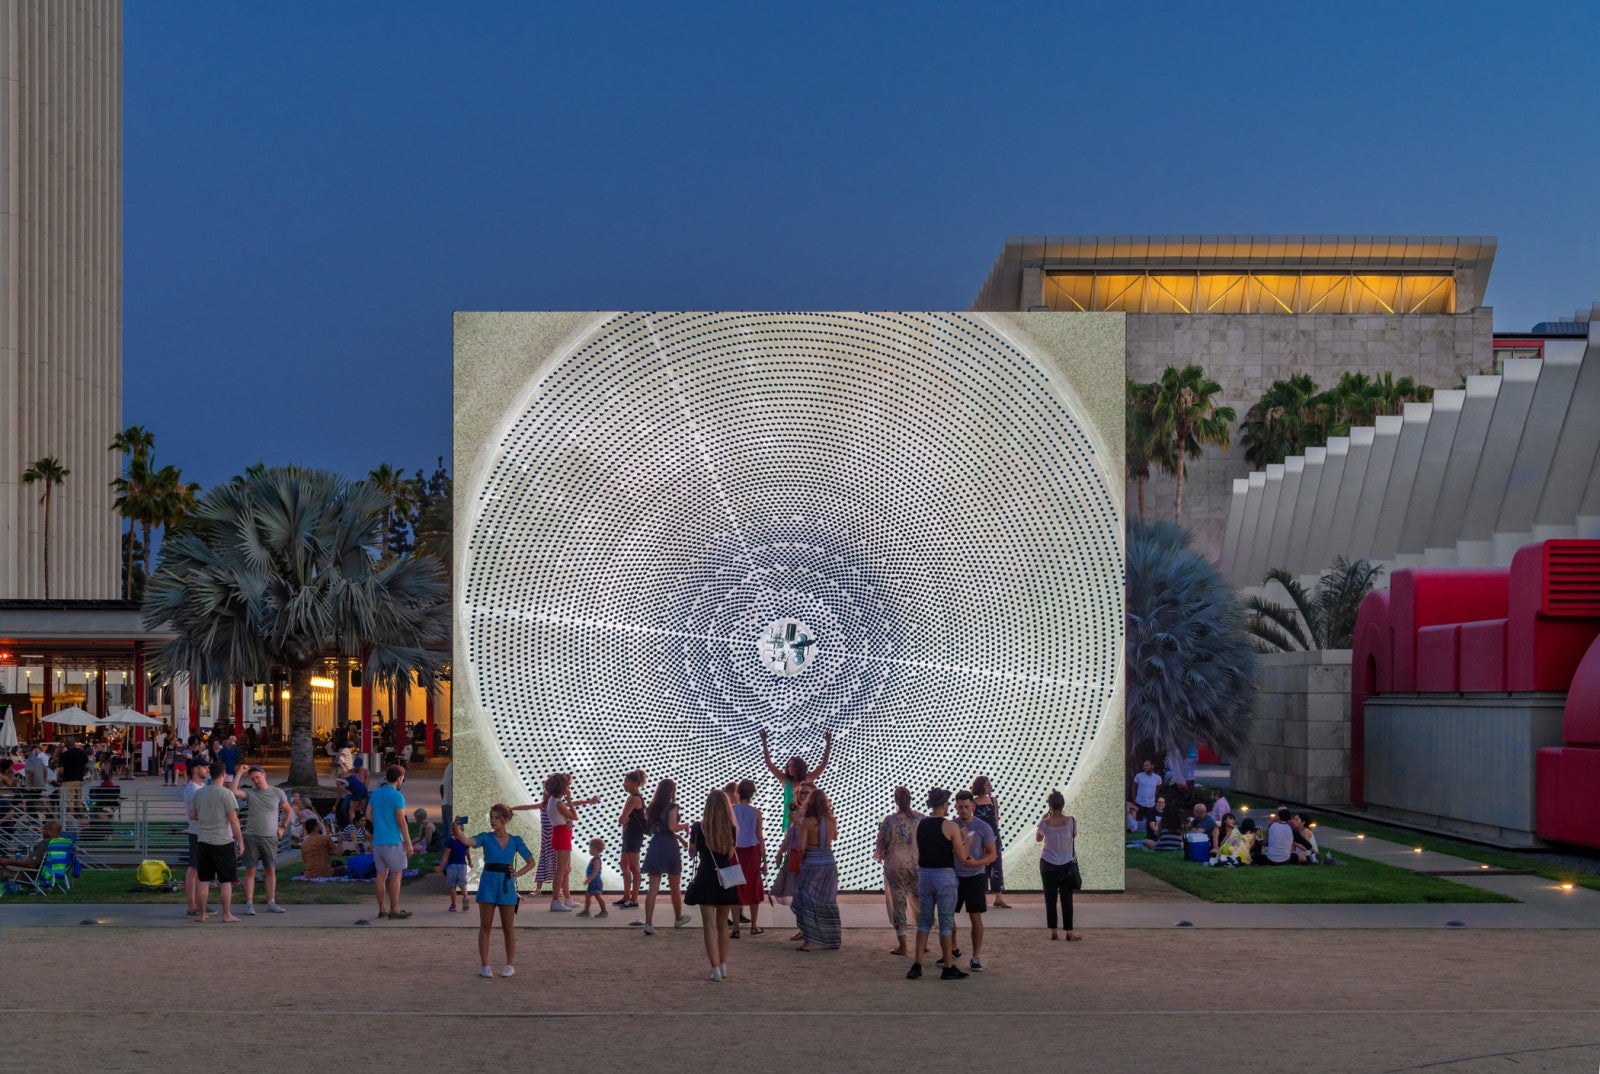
{"x": 816, "y": 892}
{"x": 986, "y": 807}
{"x": 717, "y": 878}
{"x": 1058, "y": 865}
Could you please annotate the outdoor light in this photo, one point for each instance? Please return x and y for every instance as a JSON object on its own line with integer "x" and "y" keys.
{"x": 323, "y": 683}
{"x": 1313, "y": 824}
{"x": 1416, "y": 850}
{"x": 1359, "y": 835}
{"x": 1567, "y": 886}
{"x": 284, "y": 696}
{"x": 1483, "y": 866}
{"x": 1244, "y": 809}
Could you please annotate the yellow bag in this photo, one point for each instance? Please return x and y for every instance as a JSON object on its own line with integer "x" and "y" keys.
{"x": 154, "y": 873}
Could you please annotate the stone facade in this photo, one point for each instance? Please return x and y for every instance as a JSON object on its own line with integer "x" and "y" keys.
{"x": 1299, "y": 749}
{"x": 1247, "y": 352}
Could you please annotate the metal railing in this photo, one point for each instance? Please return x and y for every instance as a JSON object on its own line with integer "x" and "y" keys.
{"x": 109, "y": 833}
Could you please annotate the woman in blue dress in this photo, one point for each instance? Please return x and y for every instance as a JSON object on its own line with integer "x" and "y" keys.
{"x": 497, "y": 887}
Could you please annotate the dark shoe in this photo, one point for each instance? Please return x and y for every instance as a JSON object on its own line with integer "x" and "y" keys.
{"x": 914, "y": 972}
{"x": 399, "y": 915}
{"x": 956, "y": 953}
{"x": 952, "y": 974}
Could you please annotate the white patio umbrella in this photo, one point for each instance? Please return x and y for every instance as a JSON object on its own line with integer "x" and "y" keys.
{"x": 8, "y": 731}
{"x": 128, "y": 717}
{"x": 74, "y": 717}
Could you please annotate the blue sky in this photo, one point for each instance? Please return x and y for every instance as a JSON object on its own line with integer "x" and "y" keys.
{"x": 312, "y": 189}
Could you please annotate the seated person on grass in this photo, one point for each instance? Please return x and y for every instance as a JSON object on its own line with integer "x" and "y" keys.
{"x": 52, "y": 829}
{"x": 1228, "y": 845}
{"x": 357, "y": 834}
{"x": 1304, "y": 848}
{"x": 316, "y": 852}
{"x": 1278, "y": 846}
{"x": 422, "y": 830}
{"x": 1202, "y": 821}
{"x": 1133, "y": 822}
{"x": 1159, "y": 835}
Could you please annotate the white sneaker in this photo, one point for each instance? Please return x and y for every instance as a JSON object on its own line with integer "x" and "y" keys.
{"x": 716, "y": 973}
{"x": 509, "y": 971}
{"x": 723, "y": 969}
{"x": 486, "y": 972}
{"x": 274, "y": 908}
{"x": 649, "y": 930}
{"x": 682, "y": 921}
{"x": 248, "y": 910}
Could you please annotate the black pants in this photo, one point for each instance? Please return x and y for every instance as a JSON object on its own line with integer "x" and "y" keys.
{"x": 1057, "y": 881}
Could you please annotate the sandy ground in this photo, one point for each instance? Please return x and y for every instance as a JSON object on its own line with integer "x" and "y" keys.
{"x": 393, "y": 999}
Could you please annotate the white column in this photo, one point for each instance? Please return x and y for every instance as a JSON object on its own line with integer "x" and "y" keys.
{"x": 1460, "y": 468}
{"x": 1342, "y": 528}
{"x": 1380, "y": 464}
{"x": 1338, "y": 451}
{"x": 1518, "y": 379}
{"x": 1283, "y": 518}
{"x": 1305, "y": 505}
{"x": 1424, "y": 500}
{"x": 1575, "y": 454}
{"x": 1402, "y": 480}
{"x": 1250, "y": 530}
{"x": 1230, "y": 537}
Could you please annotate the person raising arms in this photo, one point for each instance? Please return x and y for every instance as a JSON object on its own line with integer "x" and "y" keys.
{"x": 794, "y": 771}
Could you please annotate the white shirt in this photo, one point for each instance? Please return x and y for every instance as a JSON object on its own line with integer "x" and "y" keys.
{"x": 1145, "y": 785}
{"x": 1280, "y": 837}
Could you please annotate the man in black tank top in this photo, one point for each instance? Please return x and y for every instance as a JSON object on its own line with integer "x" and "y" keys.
{"x": 939, "y": 847}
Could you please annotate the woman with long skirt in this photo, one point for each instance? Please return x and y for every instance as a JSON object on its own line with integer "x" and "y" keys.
{"x": 897, "y": 850}
{"x": 751, "y": 847}
{"x": 712, "y": 842}
{"x": 816, "y": 893}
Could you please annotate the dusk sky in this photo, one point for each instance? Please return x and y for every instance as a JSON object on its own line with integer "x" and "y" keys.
{"x": 312, "y": 189}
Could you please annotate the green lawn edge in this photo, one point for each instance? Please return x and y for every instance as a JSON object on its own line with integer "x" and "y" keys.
{"x": 1443, "y": 844}
{"x": 1359, "y": 881}
{"x": 118, "y": 886}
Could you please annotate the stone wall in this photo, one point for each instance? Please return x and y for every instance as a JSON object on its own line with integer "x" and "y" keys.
{"x": 1299, "y": 749}
{"x": 1246, "y": 352}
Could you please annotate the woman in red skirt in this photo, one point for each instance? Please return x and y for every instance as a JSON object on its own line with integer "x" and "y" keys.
{"x": 751, "y": 847}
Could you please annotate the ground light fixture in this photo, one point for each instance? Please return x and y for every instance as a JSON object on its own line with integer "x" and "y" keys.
{"x": 1568, "y": 886}
{"x": 1361, "y": 835}
{"x": 1416, "y": 850}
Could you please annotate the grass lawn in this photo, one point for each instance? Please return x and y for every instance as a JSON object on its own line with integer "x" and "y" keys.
{"x": 119, "y": 886}
{"x": 1357, "y": 881}
{"x": 1476, "y": 852}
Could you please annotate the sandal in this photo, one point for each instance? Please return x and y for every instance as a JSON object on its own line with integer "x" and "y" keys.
{"x": 755, "y": 931}
{"x": 734, "y": 935}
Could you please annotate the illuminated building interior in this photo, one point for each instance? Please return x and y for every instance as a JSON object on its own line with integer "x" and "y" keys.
{"x": 1248, "y": 292}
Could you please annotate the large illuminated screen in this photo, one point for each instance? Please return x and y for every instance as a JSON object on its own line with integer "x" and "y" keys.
{"x": 677, "y": 529}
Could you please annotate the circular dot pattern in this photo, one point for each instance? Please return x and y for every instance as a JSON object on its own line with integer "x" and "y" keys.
{"x": 907, "y": 487}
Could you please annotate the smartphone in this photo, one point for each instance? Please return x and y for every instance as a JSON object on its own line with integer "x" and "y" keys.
{"x": 462, "y": 821}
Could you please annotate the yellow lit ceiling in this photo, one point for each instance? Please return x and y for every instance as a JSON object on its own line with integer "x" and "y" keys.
{"x": 1234, "y": 292}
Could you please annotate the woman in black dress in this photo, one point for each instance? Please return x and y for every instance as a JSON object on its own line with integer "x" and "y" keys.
{"x": 712, "y": 841}
{"x": 986, "y": 807}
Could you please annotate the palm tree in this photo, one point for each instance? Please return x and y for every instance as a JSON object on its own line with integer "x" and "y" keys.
{"x": 1190, "y": 666}
{"x": 172, "y": 500}
{"x": 52, "y": 473}
{"x": 1323, "y": 619}
{"x": 133, "y": 503}
{"x": 1363, "y": 399}
{"x": 1185, "y": 408}
{"x": 1146, "y": 443}
{"x": 280, "y": 568}
{"x": 135, "y": 442}
{"x": 393, "y": 484}
{"x": 1290, "y": 416}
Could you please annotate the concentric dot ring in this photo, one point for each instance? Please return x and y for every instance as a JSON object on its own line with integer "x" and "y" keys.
{"x": 917, "y": 493}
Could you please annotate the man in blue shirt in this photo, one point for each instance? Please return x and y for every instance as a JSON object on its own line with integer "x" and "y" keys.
{"x": 972, "y": 884}
{"x": 229, "y": 756}
{"x": 391, "y": 841}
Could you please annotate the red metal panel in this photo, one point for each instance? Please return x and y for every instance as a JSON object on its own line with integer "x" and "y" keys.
{"x": 1580, "y": 720}
{"x": 1549, "y": 632}
{"x": 1438, "y": 649}
{"x": 1483, "y": 656}
{"x": 1567, "y": 795}
{"x": 1422, "y": 598}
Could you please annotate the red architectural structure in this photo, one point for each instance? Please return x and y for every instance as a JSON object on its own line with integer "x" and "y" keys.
{"x": 1531, "y": 628}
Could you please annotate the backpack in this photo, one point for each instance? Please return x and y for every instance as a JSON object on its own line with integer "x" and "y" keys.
{"x": 154, "y": 875}
{"x": 361, "y": 867}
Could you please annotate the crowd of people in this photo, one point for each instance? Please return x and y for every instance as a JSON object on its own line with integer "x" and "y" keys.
{"x": 1217, "y": 836}
{"x": 937, "y": 863}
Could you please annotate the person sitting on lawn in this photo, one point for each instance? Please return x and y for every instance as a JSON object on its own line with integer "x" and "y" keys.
{"x": 1133, "y": 822}
{"x": 1202, "y": 821}
{"x": 316, "y": 851}
{"x": 1159, "y": 834}
{"x": 425, "y": 829}
{"x": 1219, "y": 806}
{"x": 1228, "y": 845}
{"x": 52, "y": 829}
{"x": 1279, "y": 841}
{"x": 1304, "y": 848}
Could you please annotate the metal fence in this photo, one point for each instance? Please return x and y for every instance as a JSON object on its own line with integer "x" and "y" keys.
{"x": 110, "y": 832}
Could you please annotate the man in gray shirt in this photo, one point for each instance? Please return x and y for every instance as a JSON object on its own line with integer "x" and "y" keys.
{"x": 267, "y": 818}
{"x": 972, "y": 879}
{"x": 35, "y": 780}
{"x": 219, "y": 840}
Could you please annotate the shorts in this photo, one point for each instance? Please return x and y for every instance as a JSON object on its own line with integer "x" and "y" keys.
{"x": 217, "y": 863}
{"x": 597, "y": 886}
{"x": 194, "y": 851}
{"x": 455, "y": 876}
{"x": 972, "y": 894}
{"x": 561, "y": 837}
{"x": 389, "y": 858}
{"x": 936, "y": 894}
{"x": 260, "y": 850}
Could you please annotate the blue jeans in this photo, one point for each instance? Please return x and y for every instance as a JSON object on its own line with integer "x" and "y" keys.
{"x": 936, "y": 888}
